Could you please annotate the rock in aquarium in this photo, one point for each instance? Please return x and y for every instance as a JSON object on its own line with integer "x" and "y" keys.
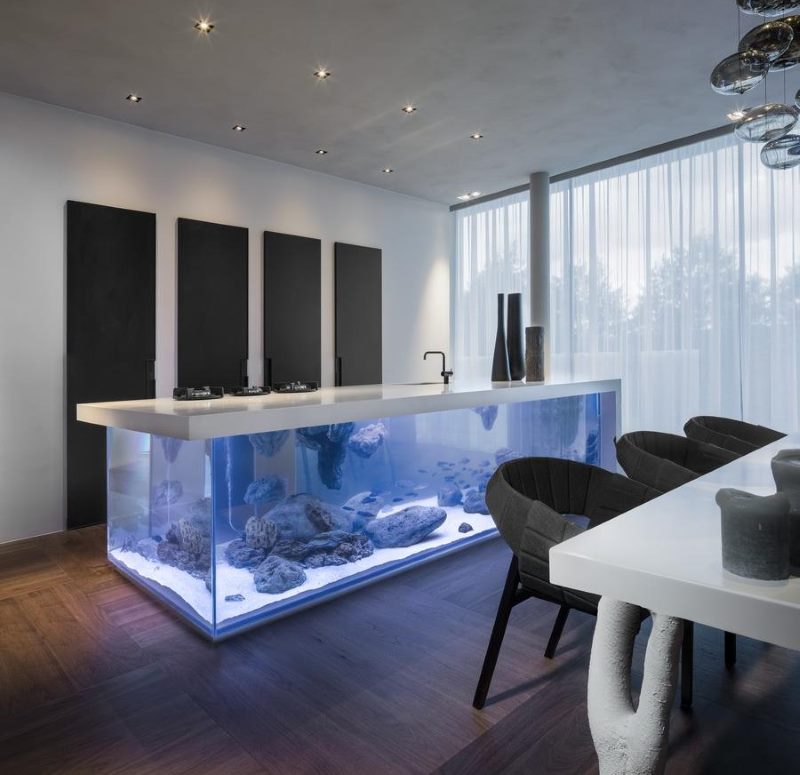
{"x": 302, "y": 516}
{"x": 240, "y": 555}
{"x": 449, "y": 495}
{"x": 260, "y": 533}
{"x": 167, "y": 493}
{"x": 488, "y": 415}
{"x": 363, "y": 507}
{"x": 276, "y": 575}
{"x": 337, "y": 547}
{"x": 366, "y": 441}
{"x": 148, "y": 548}
{"x": 330, "y": 444}
{"x": 268, "y": 444}
{"x": 474, "y": 502}
{"x": 406, "y": 527}
{"x": 270, "y": 488}
{"x": 465, "y": 527}
{"x": 171, "y": 447}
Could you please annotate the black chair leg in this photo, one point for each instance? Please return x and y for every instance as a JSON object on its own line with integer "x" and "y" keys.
{"x": 730, "y": 650}
{"x": 558, "y": 628}
{"x": 507, "y": 601}
{"x": 687, "y": 665}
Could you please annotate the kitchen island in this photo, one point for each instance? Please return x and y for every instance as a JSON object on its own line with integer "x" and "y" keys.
{"x": 235, "y": 511}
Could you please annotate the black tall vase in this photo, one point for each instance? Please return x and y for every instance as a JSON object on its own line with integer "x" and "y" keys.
{"x": 516, "y": 362}
{"x": 500, "y": 359}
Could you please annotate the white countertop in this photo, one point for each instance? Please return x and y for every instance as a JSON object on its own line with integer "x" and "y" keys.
{"x": 666, "y": 556}
{"x": 231, "y": 416}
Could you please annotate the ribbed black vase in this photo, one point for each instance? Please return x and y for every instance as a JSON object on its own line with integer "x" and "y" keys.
{"x": 500, "y": 359}
{"x": 516, "y": 361}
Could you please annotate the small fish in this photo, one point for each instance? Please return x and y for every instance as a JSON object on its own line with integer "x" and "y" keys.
{"x": 422, "y": 470}
{"x": 464, "y": 460}
{"x": 449, "y": 478}
{"x": 410, "y": 494}
{"x": 396, "y": 500}
{"x": 404, "y": 484}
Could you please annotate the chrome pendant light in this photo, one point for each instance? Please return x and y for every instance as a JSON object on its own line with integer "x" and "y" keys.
{"x": 771, "y": 40}
{"x": 791, "y": 57}
{"x": 766, "y": 122}
{"x": 768, "y": 8}
{"x": 772, "y": 46}
{"x": 782, "y": 154}
{"x": 739, "y": 72}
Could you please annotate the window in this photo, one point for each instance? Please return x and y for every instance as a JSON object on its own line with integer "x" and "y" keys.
{"x": 492, "y": 248}
{"x": 680, "y": 273}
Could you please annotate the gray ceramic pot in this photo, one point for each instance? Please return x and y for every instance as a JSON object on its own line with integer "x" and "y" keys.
{"x": 755, "y": 534}
{"x": 786, "y": 472}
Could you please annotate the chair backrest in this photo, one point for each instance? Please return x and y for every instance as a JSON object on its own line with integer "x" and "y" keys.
{"x": 666, "y": 461}
{"x": 735, "y": 435}
{"x": 528, "y": 498}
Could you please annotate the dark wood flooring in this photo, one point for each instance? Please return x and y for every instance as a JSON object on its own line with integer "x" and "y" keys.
{"x": 97, "y": 678}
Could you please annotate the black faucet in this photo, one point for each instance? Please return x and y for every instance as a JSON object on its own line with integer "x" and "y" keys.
{"x": 445, "y": 373}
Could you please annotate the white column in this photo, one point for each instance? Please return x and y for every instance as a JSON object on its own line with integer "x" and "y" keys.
{"x": 540, "y": 258}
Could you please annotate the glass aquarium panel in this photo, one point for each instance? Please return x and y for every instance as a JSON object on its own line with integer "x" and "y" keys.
{"x": 311, "y": 512}
{"x": 234, "y": 531}
{"x": 159, "y": 518}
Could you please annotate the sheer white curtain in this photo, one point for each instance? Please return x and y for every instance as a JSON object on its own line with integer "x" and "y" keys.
{"x": 680, "y": 273}
{"x": 492, "y": 248}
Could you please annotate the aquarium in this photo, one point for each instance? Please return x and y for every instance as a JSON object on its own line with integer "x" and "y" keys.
{"x": 234, "y": 531}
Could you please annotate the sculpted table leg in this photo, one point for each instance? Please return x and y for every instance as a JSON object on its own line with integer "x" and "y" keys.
{"x": 631, "y": 741}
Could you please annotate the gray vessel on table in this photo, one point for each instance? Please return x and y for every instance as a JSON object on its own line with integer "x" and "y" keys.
{"x": 786, "y": 472}
{"x": 755, "y": 534}
{"x": 534, "y": 354}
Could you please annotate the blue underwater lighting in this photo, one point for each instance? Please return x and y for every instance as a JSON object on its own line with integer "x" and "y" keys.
{"x": 235, "y": 531}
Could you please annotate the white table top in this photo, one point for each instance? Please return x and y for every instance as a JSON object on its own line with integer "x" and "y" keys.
{"x": 666, "y": 556}
{"x": 231, "y": 416}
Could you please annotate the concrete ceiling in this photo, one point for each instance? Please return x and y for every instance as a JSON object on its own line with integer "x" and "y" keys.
{"x": 552, "y": 84}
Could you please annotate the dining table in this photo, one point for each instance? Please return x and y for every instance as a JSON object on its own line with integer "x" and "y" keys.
{"x": 666, "y": 556}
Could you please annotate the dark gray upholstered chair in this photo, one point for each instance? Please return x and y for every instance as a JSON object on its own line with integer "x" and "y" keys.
{"x": 666, "y": 461}
{"x": 734, "y": 435}
{"x": 527, "y": 499}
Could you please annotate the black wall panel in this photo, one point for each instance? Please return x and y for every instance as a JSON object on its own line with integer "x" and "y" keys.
{"x": 212, "y": 304}
{"x": 292, "y": 316}
{"x": 111, "y": 302}
{"x": 358, "y": 315}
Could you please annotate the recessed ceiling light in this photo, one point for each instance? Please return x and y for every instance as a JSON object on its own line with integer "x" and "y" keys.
{"x": 238, "y": 127}
{"x": 204, "y": 25}
{"x": 320, "y": 151}
{"x": 408, "y": 108}
{"x": 134, "y": 98}
{"x": 387, "y": 170}
{"x": 322, "y": 73}
{"x": 470, "y": 195}
{"x": 476, "y": 136}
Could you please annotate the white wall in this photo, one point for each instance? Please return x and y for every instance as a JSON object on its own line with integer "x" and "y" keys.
{"x": 49, "y": 155}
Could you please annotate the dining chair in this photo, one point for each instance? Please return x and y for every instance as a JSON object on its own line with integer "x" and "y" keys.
{"x": 666, "y": 461}
{"x": 534, "y": 502}
{"x": 734, "y": 435}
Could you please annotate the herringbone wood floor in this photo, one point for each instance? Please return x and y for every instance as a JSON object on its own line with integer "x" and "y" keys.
{"x": 97, "y": 678}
